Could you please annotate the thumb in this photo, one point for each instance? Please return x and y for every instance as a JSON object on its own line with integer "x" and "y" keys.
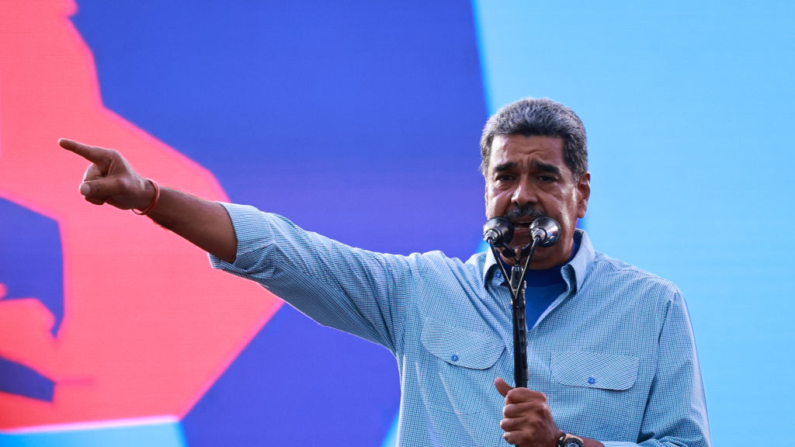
{"x": 99, "y": 191}
{"x": 502, "y": 387}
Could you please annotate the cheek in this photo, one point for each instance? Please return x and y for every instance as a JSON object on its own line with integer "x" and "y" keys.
{"x": 562, "y": 206}
{"x": 570, "y": 212}
{"x": 496, "y": 204}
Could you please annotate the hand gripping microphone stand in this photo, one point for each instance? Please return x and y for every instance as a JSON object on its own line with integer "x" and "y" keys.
{"x": 498, "y": 232}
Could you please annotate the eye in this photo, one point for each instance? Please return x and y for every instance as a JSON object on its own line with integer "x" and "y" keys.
{"x": 504, "y": 177}
{"x": 546, "y": 178}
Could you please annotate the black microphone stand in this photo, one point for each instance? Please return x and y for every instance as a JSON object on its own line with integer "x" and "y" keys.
{"x": 517, "y": 287}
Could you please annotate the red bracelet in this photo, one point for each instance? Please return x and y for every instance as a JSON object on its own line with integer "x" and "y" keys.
{"x": 154, "y": 201}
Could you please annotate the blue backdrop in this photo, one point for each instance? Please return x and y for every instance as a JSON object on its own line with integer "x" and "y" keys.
{"x": 360, "y": 123}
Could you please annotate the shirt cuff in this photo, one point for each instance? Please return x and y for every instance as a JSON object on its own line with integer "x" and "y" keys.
{"x": 618, "y": 444}
{"x": 253, "y": 230}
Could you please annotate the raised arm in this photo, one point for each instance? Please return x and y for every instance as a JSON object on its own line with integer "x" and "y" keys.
{"x": 110, "y": 179}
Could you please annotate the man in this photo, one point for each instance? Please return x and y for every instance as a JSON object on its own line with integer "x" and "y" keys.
{"x": 611, "y": 354}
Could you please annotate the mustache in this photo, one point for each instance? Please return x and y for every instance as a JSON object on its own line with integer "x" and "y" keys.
{"x": 526, "y": 210}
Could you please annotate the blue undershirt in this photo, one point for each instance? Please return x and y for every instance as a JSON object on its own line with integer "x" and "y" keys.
{"x": 542, "y": 288}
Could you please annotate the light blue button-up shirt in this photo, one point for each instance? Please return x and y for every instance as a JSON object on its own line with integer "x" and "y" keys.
{"x": 614, "y": 354}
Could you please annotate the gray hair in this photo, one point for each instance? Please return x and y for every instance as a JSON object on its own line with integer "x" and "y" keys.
{"x": 539, "y": 117}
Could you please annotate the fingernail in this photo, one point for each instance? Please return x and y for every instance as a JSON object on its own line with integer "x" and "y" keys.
{"x": 85, "y": 188}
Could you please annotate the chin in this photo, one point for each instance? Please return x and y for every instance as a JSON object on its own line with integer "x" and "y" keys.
{"x": 520, "y": 243}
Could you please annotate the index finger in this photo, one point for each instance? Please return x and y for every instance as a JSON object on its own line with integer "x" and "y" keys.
{"x": 93, "y": 154}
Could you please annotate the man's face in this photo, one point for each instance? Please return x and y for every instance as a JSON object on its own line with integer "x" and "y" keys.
{"x": 528, "y": 178}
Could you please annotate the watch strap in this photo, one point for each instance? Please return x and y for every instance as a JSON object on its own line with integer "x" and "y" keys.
{"x": 564, "y": 439}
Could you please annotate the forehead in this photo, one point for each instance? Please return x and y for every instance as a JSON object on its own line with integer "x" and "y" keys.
{"x": 523, "y": 150}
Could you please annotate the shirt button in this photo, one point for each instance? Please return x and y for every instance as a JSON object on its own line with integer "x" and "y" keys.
{"x": 591, "y": 380}
{"x": 454, "y": 357}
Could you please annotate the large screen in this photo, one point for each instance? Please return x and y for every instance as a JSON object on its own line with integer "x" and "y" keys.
{"x": 361, "y": 121}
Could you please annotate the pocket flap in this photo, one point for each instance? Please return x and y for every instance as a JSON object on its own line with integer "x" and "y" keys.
{"x": 460, "y": 347}
{"x": 594, "y": 370}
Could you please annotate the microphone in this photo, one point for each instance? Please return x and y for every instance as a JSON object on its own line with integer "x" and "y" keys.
{"x": 546, "y": 230}
{"x": 498, "y": 231}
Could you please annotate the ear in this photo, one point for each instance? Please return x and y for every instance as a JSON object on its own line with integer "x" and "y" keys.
{"x": 583, "y": 193}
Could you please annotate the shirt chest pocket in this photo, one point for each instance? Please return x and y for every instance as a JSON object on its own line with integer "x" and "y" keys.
{"x": 456, "y": 371}
{"x": 594, "y": 387}
{"x": 594, "y": 370}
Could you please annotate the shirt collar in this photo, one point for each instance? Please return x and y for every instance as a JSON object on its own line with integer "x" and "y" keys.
{"x": 573, "y": 271}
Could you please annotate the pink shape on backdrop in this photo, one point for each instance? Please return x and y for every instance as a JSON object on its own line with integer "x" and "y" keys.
{"x": 148, "y": 325}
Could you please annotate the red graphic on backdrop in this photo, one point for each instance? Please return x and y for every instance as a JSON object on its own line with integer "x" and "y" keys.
{"x": 148, "y": 326}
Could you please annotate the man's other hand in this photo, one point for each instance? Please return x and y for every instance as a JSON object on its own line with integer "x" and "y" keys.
{"x": 527, "y": 421}
{"x": 110, "y": 179}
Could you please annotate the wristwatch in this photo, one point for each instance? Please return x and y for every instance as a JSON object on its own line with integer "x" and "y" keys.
{"x": 567, "y": 440}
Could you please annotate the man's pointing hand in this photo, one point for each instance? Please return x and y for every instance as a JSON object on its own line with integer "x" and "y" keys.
{"x": 110, "y": 179}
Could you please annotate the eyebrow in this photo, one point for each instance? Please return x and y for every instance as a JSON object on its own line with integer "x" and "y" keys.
{"x": 507, "y": 166}
{"x": 540, "y": 165}
{"x": 545, "y": 167}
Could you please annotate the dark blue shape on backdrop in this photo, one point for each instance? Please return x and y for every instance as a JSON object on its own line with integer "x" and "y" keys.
{"x": 31, "y": 266}
{"x": 23, "y": 380}
{"x": 359, "y": 121}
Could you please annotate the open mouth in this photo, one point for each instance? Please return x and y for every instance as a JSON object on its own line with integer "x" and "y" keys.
{"x": 522, "y": 224}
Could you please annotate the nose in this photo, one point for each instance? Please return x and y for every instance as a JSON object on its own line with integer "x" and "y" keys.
{"x": 524, "y": 193}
